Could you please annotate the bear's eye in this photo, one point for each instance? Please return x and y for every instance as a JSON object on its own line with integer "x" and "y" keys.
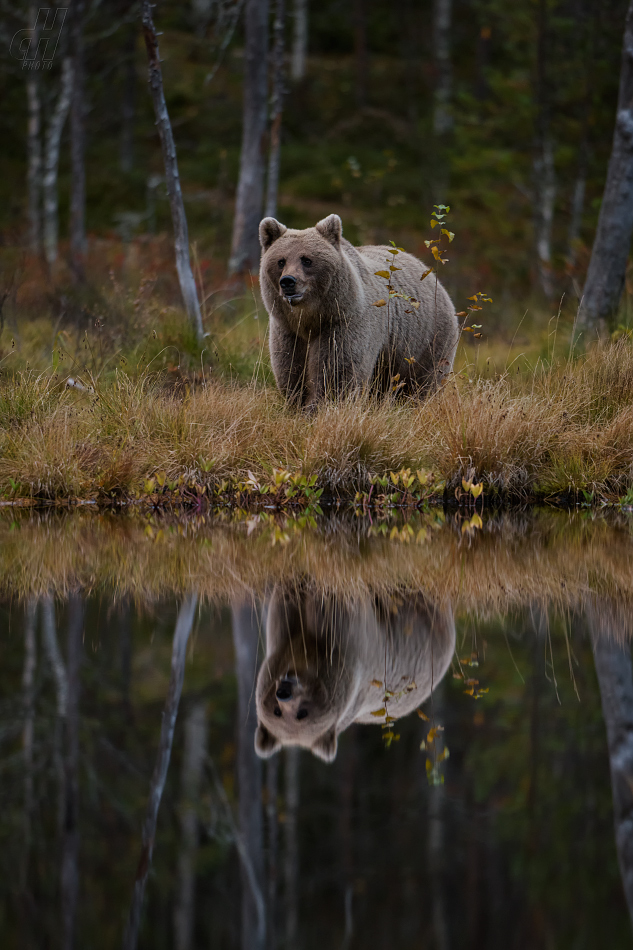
{"x": 277, "y": 711}
{"x": 302, "y": 714}
{"x": 306, "y": 261}
{"x": 281, "y": 262}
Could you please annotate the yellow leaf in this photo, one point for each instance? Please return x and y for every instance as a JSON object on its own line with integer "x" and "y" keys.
{"x": 476, "y": 490}
{"x": 433, "y": 223}
{"x": 474, "y": 297}
{"x": 377, "y": 683}
{"x": 449, "y": 234}
{"x": 380, "y": 303}
{"x": 476, "y": 522}
{"x": 426, "y": 273}
{"x": 422, "y": 715}
{"x": 382, "y": 273}
{"x": 462, "y": 313}
{"x": 394, "y": 475}
{"x": 161, "y": 478}
{"x": 392, "y": 268}
{"x": 379, "y": 712}
{"x": 466, "y": 485}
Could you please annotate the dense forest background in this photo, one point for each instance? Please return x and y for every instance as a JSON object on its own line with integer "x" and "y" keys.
{"x": 504, "y": 112}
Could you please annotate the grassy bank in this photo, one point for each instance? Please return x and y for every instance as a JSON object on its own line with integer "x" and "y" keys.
{"x": 550, "y": 431}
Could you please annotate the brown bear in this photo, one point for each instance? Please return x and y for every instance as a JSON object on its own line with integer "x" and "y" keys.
{"x": 328, "y": 664}
{"x": 327, "y": 336}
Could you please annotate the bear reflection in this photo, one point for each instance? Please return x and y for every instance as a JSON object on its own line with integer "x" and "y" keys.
{"x": 328, "y": 664}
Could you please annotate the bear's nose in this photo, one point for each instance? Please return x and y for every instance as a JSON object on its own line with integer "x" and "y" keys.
{"x": 284, "y": 691}
{"x": 288, "y": 284}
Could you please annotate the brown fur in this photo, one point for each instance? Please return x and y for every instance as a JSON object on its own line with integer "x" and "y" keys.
{"x": 332, "y": 338}
{"x": 331, "y": 656}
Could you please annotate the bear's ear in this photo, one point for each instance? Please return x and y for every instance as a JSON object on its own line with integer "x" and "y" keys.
{"x": 331, "y": 228}
{"x": 269, "y": 230}
{"x": 266, "y": 744}
{"x": 326, "y": 746}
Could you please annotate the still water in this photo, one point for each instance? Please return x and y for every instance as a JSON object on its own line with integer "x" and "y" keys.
{"x": 265, "y": 734}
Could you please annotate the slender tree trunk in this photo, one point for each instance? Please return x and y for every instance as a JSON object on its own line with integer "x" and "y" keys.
{"x": 249, "y": 778}
{"x": 70, "y": 834}
{"x": 272, "y": 821}
{"x": 250, "y": 187}
{"x": 543, "y": 165}
{"x": 28, "y": 693}
{"x": 184, "y": 624}
{"x": 442, "y": 24}
{"x": 577, "y": 202}
{"x": 607, "y": 267}
{"x": 34, "y": 145}
{"x": 128, "y": 104}
{"x": 78, "y": 146}
{"x": 194, "y": 754}
{"x": 274, "y": 154}
{"x": 361, "y": 55}
{"x": 51, "y": 161}
{"x": 172, "y": 179}
{"x": 291, "y": 842}
{"x": 300, "y": 40}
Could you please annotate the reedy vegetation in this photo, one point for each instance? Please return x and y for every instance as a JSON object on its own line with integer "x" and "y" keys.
{"x": 557, "y": 428}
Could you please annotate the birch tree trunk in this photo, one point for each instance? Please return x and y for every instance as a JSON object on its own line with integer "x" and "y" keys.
{"x": 51, "y": 162}
{"x": 184, "y": 624}
{"x": 128, "y": 105}
{"x": 543, "y": 165}
{"x": 607, "y": 267}
{"x": 70, "y": 833}
{"x": 250, "y": 187}
{"x": 442, "y": 118}
{"x": 78, "y": 146}
{"x": 172, "y": 179}
{"x": 194, "y": 754}
{"x": 361, "y": 56}
{"x": 300, "y": 40}
{"x": 249, "y": 779}
{"x": 34, "y": 145}
{"x": 274, "y": 154}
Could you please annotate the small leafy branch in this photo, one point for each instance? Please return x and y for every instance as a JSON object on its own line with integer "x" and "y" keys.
{"x": 472, "y": 685}
{"x": 388, "y": 734}
{"x": 436, "y": 245}
{"x": 478, "y": 299}
{"x": 434, "y": 756}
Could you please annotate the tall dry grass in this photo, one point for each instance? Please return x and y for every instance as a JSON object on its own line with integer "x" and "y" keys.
{"x": 558, "y": 428}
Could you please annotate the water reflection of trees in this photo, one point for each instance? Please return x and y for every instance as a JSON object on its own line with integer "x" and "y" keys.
{"x": 330, "y": 849}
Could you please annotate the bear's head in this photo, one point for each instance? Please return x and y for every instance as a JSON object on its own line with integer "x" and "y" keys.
{"x": 302, "y": 686}
{"x": 298, "y": 267}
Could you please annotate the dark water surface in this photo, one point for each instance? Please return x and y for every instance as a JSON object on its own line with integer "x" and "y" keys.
{"x": 210, "y": 733}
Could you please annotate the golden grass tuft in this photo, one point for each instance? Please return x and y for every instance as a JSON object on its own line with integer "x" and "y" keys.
{"x": 555, "y": 429}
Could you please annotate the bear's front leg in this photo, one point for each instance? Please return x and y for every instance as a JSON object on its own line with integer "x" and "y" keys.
{"x": 288, "y": 357}
{"x": 332, "y": 368}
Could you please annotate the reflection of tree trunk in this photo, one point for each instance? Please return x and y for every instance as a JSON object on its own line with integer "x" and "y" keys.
{"x": 128, "y": 104}
{"x": 615, "y": 678}
{"x": 361, "y": 56}
{"x": 291, "y": 858}
{"x": 54, "y": 656}
{"x": 348, "y": 768}
{"x": 249, "y": 778}
{"x": 51, "y": 161}
{"x": 125, "y": 646}
{"x": 274, "y": 153}
{"x": 28, "y": 697}
{"x": 437, "y": 844}
{"x": 192, "y": 764}
{"x": 70, "y": 834}
{"x": 299, "y": 40}
{"x": 184, "y": 624}
{"x": 272, "y": 821}
{"x": 250, "y": 186}
{"x": 78, "y": 146}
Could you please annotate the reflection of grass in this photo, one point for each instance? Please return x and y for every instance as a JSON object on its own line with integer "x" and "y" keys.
{"x": 543, "y": 557}
{"x": 552, "y": 430}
